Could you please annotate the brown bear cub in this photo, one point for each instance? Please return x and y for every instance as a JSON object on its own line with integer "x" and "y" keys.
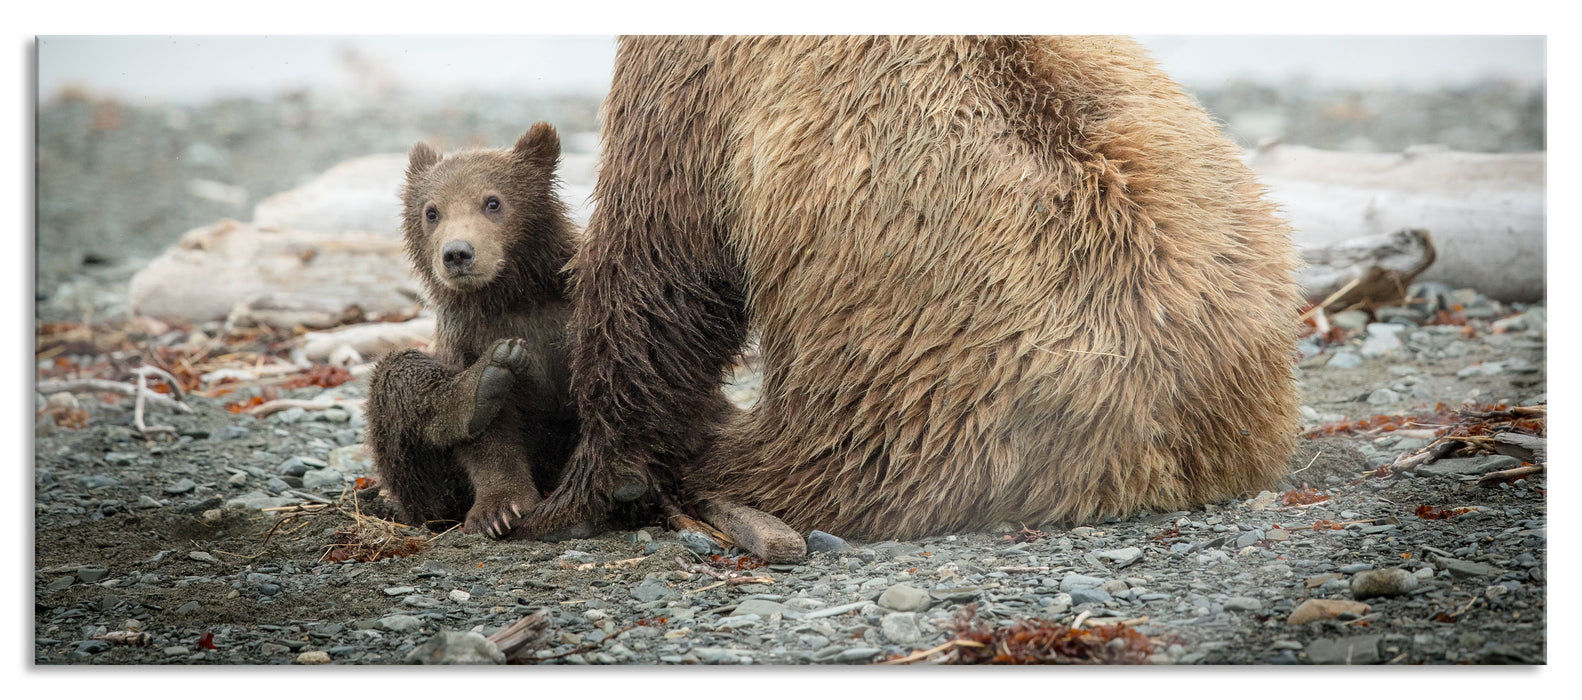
{"x": 475, "y": 430}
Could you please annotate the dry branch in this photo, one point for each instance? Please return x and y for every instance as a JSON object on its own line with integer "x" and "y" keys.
{"x": 1500, "y": 477}
{"x": 137, "y": 410}
{"x": 920, "y": 655}
{"x": 54, "y": 386}
{"x": 530, "y": 632}
{"x": 278, "y": 405}
{"x": 1426, "y": 455}
{"x": 132, "y": 638}
{"x": 759, "y": 532}
{"x": 1366, "y": 270}
{"x": 620, "y": 564}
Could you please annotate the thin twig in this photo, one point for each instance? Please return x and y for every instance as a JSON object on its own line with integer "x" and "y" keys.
{"x": 1457, "y": 614}
{"x": 447, "y": 531}
{"x": 137, "y": 411}
{"x": 621, "y": 564}
{"x": 278, "y": 405}
{"x": 737, "y": 581}
{"x": 272, "y": 529}
{"x": 1332, "y": 298}
{"x": 55, "y": 386}
{"x": 591, "y": 645}
{"x": 1493, "y": 478}
{"x": 297, "y": 508}
{"x": 920, "y": 655}
{"x": 1309, "y": 462}
{"x": 175, "y": 386}
{"x": 311, "y": 497}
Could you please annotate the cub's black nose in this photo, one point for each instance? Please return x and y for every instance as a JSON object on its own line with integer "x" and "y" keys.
{"x": 458, "y": 255}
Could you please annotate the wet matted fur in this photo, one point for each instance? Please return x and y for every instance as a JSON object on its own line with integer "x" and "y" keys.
{"x": 474, "y": 429}
{"x": 996, "y": 279}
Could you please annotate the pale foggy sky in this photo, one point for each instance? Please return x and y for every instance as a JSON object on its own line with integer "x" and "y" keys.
{"x": 192, "y": 68}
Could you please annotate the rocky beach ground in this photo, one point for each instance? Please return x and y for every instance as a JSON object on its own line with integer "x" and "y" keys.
{"x": 236, "y": 539}
{"x": 171, "y": 538}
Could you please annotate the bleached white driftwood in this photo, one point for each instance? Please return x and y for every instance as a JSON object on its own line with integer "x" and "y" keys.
{"x": 215, "y": 268}
{"x": 1485, "y": 211}
{"x": 362, "y": 194}
{"x": 1390, "y": 260}
{"x": 55, "y": 386}
{"x": 370, "y": 340}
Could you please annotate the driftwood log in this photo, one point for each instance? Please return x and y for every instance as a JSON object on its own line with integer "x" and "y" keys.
{"x": 1528, "y": 448}
{"x": 1368, "y": 269}
{"x": 756, "y": 531}
{"x": 362, "y": 194}
{"x": 214, "y": 270}
{"x": 369, "y": 340}
{"x": 522, "y": 637}
{"x": 1486, "y": 210}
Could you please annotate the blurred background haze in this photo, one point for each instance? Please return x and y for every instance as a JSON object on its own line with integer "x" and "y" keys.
{"x": 141, "y": 138}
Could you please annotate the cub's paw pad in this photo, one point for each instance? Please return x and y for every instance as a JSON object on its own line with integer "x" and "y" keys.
{"x": 507, "y": 360}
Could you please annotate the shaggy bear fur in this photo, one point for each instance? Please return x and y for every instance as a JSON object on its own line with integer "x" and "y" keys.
{"x": 996, "y": 279}
{"x": 475, "y": 430}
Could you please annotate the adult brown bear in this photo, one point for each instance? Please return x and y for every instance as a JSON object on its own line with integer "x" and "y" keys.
{"x": 996, "y": 279}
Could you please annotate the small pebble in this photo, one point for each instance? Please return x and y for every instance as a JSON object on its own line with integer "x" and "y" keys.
{"x": 1324, "y": 609}
{"x": 399, "y": 623}
{"x": 1352, "y": 651}
{"x": 903, "y": 598}
{"x": 1121, "y": 558}
{"x": 1243, "y": 604}
{"x": 456, "y": 648}
{"x": 818, "y": 541}
{"x": 857, "y": 654}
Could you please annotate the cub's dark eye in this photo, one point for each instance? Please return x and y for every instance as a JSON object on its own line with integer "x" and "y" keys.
{"x": 492, "y": 204}
{"x": 431, "y": 214}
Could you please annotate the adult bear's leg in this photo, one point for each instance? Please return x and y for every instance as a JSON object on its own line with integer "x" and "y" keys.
{"x": 658, "y": 298}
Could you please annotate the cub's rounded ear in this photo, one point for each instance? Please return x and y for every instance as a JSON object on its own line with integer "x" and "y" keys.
{"x": 422, "y": 157}
{"x": 540, "y": 141}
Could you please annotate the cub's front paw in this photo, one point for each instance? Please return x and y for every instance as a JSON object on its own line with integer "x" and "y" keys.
{"x": 507, "y": 361}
